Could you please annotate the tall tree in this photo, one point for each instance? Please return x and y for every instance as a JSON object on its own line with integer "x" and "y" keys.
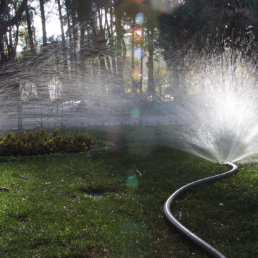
{"x": 61, "y": 20}
{"x": 7, "y": 21}
{"x": 68, "y": 19}
{"x": 151, "y": 27}
{"x": 43, "y": 21}
{"x": 150, "y": 46}
{"x": 210, "y": 26}
{"x": 29, "y": 28}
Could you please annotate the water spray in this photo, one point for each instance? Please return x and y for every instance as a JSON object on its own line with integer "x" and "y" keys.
{"x": 187, "y": 233}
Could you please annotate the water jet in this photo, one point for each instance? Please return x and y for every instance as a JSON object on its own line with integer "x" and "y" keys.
{"x": 220, "y": 123}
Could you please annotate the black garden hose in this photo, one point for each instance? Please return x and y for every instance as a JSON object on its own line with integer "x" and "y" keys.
{"x": 204, "y": 245}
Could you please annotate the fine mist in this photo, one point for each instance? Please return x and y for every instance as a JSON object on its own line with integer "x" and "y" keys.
{"x": 220, "y": 119}
{"x": 211, "y": 112}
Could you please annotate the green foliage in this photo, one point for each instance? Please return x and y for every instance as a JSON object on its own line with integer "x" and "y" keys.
{"x": 52, "y": 208}
{"x": 43, "y": 142}
{"x": 83, "y": 205}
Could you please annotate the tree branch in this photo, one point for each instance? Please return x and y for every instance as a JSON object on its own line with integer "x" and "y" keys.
{"x": 14, "y": 20}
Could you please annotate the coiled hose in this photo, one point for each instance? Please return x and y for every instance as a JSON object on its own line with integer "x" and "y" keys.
{"x": 204, "y": 245}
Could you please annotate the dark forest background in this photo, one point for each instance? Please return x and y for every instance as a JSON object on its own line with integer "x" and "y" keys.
{"x": 139, "y": 48}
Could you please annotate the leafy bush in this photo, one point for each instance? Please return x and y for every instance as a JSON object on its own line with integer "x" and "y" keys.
{"x": 43, "y": 142}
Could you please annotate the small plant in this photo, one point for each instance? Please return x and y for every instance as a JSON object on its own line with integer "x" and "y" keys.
{"x": 43, "y": 142}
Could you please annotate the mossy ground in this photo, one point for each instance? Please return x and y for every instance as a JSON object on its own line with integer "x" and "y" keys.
{"x": 49, "y": 210}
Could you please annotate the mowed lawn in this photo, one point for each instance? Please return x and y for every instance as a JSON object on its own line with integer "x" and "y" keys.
{"x": 108, "y": 202}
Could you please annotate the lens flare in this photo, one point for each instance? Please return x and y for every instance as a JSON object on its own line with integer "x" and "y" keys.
{"x": 136, "y": 75}
{"x": 137, "y": 1}
{"x": 137, "y": 34}
{"x": 139, "y": 18}
{"x": 135, "y": 113}
{"x": 132, "y": 182}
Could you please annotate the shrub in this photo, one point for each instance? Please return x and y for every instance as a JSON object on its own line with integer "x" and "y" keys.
{"x": 43, "y": 142}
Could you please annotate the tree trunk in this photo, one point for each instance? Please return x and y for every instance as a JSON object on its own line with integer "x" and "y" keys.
{"x": 107, "y": 27}
{"x": 68, "y": 20}
{"x": 82, "y": 71}
{"x": 134, "y": 84}
{"x": 141, "y": 78}
{"x": 2, "y": 54}
{"x": 61, "y": 20}
{"x": 100, "y": 20}
{"x": 5, "y": 23}
{"x": 30, "y": 33}
{"x": 151, "y": 85}
{"x": 10, "y": 45}
{"x": 157, "y": 80}
{"x": 43, "y": 22}
{"x": 75, "y": 32}
{"x": 121, "y": 48}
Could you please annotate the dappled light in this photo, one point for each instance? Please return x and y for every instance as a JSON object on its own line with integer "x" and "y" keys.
{"x": 107, "y": 107}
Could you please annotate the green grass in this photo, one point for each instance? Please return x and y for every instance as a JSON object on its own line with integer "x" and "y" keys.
{"x": 48, "y": 211}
